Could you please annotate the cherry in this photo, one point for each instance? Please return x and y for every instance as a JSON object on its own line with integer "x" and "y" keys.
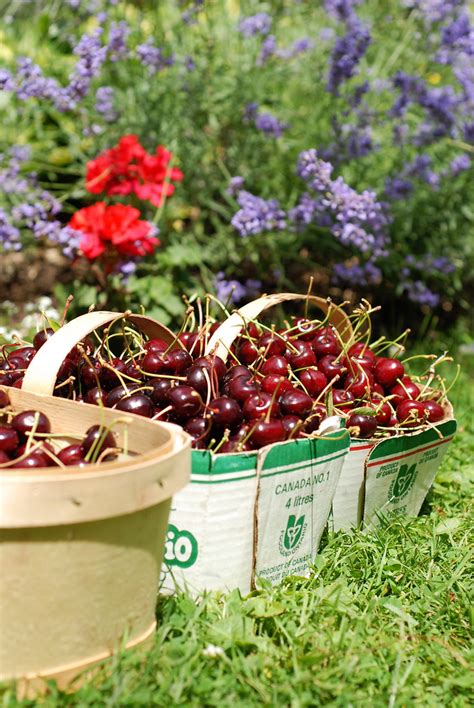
{"x": 241, "y": 388}
{"x": 387, "y": 371}
{"x": 406, "y": 389}
{"x": 137, "y": 403}
{"x": 42, "y": 336}
{"x": 435, "y": 411}
{"x": 133, "y": 371}
{"x": 89, "y": 372}
{"x": 342, "y": 397}
{"x": 107, "y": 376}
{"x": 359, "y": 383}
{"x": 377, "y": 388}
{"x": 31, "y": 461}
{"x": 192, "y": 342}
{"x": 97, "y": 439}
{"x": 3, "y": 457}
{"x": 225, "y": 412}
{"x": 411, "y": 412}
{"x": 331, "y": 367}
{"x": 67, "y": 369}
{"x": 26, "y": 421}
{"x": 356, "y": 363}
{"x": 9, "y": 440}
{"x": 96, "y": 396}
{"x": 179, "y": 361}
{"x": 361, "y": 425}
{"x": 271, "y": 344}
{"x": 313, "y": 380}
{"x": 4, "y": 399}
{"x": 186, "y": 401}
{"x": 26, "y": 354}
{"x": 259, "y": 404}
{"x": 318, "y": 414}
{"x": 304, "y": 329}
{"x": 117, "y": 393}
{"x": 212, "y": 363}
{"x": 152, "y": 362}
{"x": 303, "y": 357}
{"x": 44, "y": 448}
{"x": 236, "y": 371}
{"x": 72, "y": 455}
{"x": 198, "y": 428}
{"x": 274, "y": 382}
{"x": 18, "y": 382}
{"x": 267, "y": 432}
{"x": 160, "y": 390}
{"x": 275, "y": 364}
{"x": 361, "y": 349}
{"x": 295, "y": 402}
{"x": 156, "y": 345}
{"x": 324, "y": 344}
{"x": 383, "y": 413}
{"x": 235, "y": 444}
{"x": 247, "y": 351}
{"x": 292, "y": 425}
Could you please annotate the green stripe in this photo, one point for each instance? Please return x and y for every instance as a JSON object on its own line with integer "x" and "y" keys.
{"x": 204, "y": 462}
{"x": 405, "y": 443}
{"x": 306, "y": 449}
{"x": 309, "y": 465}
{"x": 221, "y": 481}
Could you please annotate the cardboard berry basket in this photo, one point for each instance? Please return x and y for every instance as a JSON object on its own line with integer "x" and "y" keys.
{"x": 255, "y": 514}
{"x": 81, "y": 548}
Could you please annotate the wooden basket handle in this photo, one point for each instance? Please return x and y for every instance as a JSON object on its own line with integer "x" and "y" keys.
{"x": 223, "y": 337}
{"x": 42, "y": 372}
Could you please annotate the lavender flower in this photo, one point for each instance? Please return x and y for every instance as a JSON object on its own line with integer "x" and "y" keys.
{"x": 357, "y": 275}
{"x": 20, "y": 153}
{"x": 104, "y": 103}
{"x": 257, "y": 215}
{"x": 397, "y": 188}
{"x": 189, "y": 63}
{"x": 269, "y": 49}
{"x": 270, "y": 125}
{"x": 251, "y": 111}
{"x": 419, "y": 292}
{"x": 9, "y": 234}
{"x": 342, "y": 10}
{"x": 234, "y": 291}
{"x": 304, "y": 212}
{"x": 92, "y": 54}
{"x": 314, "y": 171}
{"x": 117, "y": 45}
{"x": 6, "y": 80}
{"x": 153, "y": 57}
{"x": 346, "y": 55}
{"x": 255, "y": 24}
{"x": 235, "y": 185}
{"x": 460, "y": 164}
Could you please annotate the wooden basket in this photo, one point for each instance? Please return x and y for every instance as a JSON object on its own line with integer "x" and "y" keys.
{"x": 81, "y": 549}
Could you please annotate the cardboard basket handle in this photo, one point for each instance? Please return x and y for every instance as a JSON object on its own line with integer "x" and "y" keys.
{"x": 41, "y": 374}
{"x": 223, "y": 337}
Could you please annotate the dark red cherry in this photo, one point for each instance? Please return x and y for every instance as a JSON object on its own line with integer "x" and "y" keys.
{"x": 95, "y": 396}
{"x": 3, "y": 457}
{"x": 235, "y": 444}
{"x": 387, "y": 371}
{"x": 137, "y": 403}
{"x": 200, "y": 379}
{"x": 212, "y": 363}
{"x": 325, "y": 344}
{"x": 117, "y": 393}
{"x": 342, "y": 397}
{"x": 275, "y": 365}
{"x": 247, "y": 351}
{"x": 9, "y": 440}
{"x": 225, "y": 412}
{"x": 267, "y": 432}
{"x": 179, "y": 361}
{"x": 359, "y": 383}
{"x": 383, "y": 413}
{"x": 361, "y": 349}
{"x": 435, "y": 411}
{"x": 318, "y": 414}
{"x": 275, "y": 382}
{"x": 152, "y": 362}
{"x": 361, "y": 426}
{"x": 258, "y": 405}
{"x": 304, "y": 329}
{"x": 89, "y": 372}
{"x": 303, "y": 357}
{"x": 33, "y": 460}
{"x": 199, "y": 427}
{"x": 407, "y": 389}
{"x": 156, "y": 345}
{"x": 25, "y": 353}
{"x": 108, "y": 372}
{"x": 271, "y": 344}
{"x": 331, "y": 367}
{"x": 241, "y": 388}
{"x": 411, "y": 412}
{"x": 42, "y": 336}
{"x": 186, "y": 401}
{"x": 313, "y": 380}
{"x": 26, "y": 421}
{"x": 67, "y": 369}
{"x": 295, "y": 402}
{"x": 97, "y": 439}
{"x": 160, "y": 388}
{"x": 72, "y": 455}
{"x": 293, "y": 426}
{"x": 44, "y": 448}
{"x": 236, "y": 371}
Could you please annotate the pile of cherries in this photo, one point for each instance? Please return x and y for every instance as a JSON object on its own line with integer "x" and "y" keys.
{"x": 277, "y": 384}
{"x": 26, "y": 442}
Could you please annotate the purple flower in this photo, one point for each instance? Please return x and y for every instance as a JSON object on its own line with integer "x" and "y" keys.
{"x": 468, "y": 132}
{"x": 9, "y": 234}
{"x": 359, "y": 143}
{"x": 397, "y": 188}
{"x": 189, "y": 63}
{"x": 270, "y": 125}
{"x": 117, "y": 45}
{"x": 342, "y": 10}
{"x": 304, "y": 212}
{"x": 459, "y": 34}
{"x": 301, "y": 45}
{"x": 255, "y": 24}
{"x": 104, "y": 103}
{"x": 153, "y": 57}
{"x": 235, "y": 185}
{"x": 251, "y": 111}
{"x": 357, "y": 275}
{"x": 269, "y": 49}
{"x": 20, "y": 153}
{"x": 418, "y": 292}
{"x": 92, "y": 54}
{"x": 234, "y": 291}
{"x": 460, "y": 164}
{"x": 314, "y": 171}
{"x": 257, "y": 215}
{"x": 346, "y": 55}
{"x": 6, "y": 80}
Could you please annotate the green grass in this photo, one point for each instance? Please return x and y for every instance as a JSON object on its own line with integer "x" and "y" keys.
{"x": 385, "y": 620}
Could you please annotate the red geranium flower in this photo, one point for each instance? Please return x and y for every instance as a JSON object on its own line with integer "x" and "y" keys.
{"x": 118, "y": 227}
{"x": 128, "y": 169}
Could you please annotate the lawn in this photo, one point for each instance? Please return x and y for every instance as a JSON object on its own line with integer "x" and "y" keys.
{"x": 383, "y": 621}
